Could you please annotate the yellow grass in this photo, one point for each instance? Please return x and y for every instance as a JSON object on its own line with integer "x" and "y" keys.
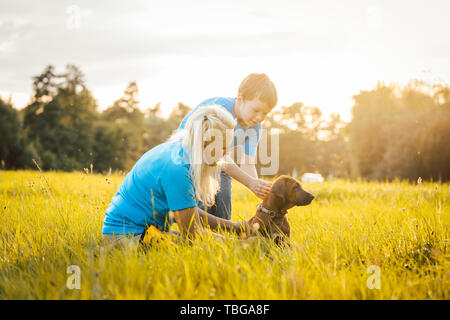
{"x": 50, "y": 221}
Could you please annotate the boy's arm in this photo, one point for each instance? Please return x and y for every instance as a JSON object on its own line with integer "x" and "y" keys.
{"x": 247, "y": 176}
{"x": 248, "y": 166}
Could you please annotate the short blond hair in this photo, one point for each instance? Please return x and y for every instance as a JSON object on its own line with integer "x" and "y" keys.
{"x": 258, "y": 85}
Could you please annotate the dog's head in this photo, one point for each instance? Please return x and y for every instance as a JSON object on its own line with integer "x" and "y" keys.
{"x": 287, "y": 192}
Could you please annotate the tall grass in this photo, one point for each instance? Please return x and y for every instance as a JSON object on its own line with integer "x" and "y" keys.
{"x": 49, "y": 221}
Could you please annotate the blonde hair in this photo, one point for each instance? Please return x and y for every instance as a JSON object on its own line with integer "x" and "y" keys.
{"x": 198, "y": 128}
{"x": 258, "y": 85}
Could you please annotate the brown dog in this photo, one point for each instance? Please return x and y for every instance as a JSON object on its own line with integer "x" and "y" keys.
{"x": 270, "y": 218}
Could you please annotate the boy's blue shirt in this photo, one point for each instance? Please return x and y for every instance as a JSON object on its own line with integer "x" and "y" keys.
{"x": 158, "y": 183}
{"x": 248, "y": 137}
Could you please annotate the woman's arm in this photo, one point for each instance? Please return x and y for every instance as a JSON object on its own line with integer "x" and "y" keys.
{"x": 191, "y": 222}
{"x": 188, "y": 221}
{"x": 219, "y": 224}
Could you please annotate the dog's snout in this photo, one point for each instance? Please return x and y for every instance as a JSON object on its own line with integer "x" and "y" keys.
{"x": 306, "y": 199}
{"x": 309, "y": 198}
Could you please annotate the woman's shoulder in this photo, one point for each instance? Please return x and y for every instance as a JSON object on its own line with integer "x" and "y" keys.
{"x": 177, "y": 155}
{"x": 161, "y": 156}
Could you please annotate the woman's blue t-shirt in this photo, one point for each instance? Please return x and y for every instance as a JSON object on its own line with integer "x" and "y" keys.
{"x": 158, "y": 183}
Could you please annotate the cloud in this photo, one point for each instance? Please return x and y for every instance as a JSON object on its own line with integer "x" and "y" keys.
{"x": 116, "y": 42}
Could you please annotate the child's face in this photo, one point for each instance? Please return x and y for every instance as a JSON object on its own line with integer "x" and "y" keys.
{"x": 251, "y": 112}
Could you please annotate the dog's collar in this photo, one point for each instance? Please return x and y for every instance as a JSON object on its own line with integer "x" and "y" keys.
{"x": 271, "y": 213}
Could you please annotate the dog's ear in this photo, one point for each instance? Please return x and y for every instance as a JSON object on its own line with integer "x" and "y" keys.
{"x": 278, "y": 190}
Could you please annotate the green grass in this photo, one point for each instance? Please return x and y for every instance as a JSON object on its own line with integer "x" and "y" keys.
{"x": 51, "y": 220}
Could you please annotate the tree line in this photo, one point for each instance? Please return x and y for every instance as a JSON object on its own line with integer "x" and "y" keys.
{"x": 394, "y": 132}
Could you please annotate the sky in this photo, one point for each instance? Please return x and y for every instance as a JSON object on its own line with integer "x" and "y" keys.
{"x": 318, "y": 52}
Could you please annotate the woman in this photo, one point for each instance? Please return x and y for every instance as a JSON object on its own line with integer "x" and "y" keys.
{"x": 172, "y": 177}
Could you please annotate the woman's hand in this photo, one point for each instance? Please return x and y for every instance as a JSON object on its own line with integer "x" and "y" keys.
{"x": 241, "y": 228}
{"x": 260, "y": 188}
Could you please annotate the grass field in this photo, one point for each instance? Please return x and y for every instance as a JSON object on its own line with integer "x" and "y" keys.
{"x": 50, "y": 221}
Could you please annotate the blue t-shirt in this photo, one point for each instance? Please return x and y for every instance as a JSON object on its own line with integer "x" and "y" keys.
{"x": 247, "y": 137}
{"x": 158, "y": 183}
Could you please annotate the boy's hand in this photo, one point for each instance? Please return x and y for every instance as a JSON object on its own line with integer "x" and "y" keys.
{"x": 260, "y": 188}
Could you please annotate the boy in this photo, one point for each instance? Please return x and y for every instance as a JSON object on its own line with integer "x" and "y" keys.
{"x": 257, "y": 96}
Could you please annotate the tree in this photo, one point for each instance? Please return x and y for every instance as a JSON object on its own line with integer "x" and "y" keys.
{"x": 369, "y": 131}
{"x": 401, "y": 132}
{"x": 44, "y": 85}
{"x": 9, "y": 133}
{"x": 59, "y": 121}
{"x": 300, "y": 144}
{"x": 119, "y": 136}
